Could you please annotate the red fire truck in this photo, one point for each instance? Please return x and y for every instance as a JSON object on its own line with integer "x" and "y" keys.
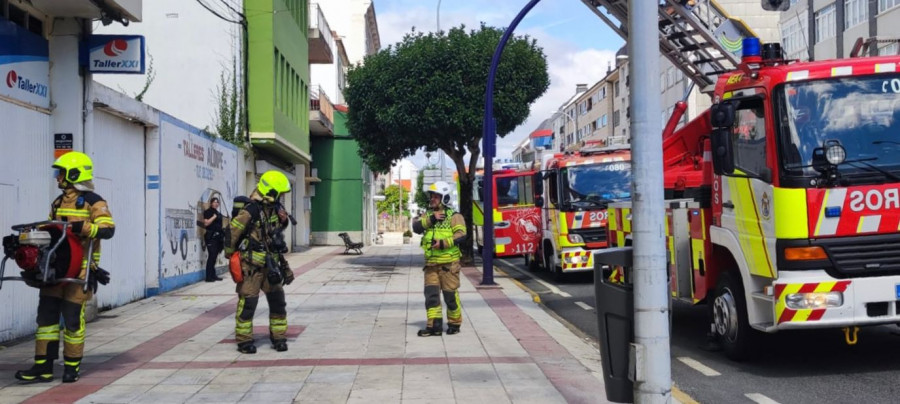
{"x": 575, "y": 192}
{"x": 517, "y": 219}
{"x": 785, "y": 198}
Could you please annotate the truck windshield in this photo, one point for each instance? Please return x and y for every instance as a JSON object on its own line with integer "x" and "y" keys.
{"x": 596, "y": 185}
{"x": 862, "y": 113}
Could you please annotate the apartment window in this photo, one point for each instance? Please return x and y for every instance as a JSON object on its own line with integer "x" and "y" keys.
{"x": 855, "y": 12}
{"x": 603, "y": 93}
{"x": 615, "y": 118}
{"x": 825, "y": 23}
{"x": 616, "y": 88}
{"x": 793, "y": 37}
{"x": 889, "y": 49}
{"x": 886, "y": 4}
{"x": 603, "y": 121}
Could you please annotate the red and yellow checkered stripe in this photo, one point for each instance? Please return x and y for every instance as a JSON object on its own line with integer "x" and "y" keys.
{"x": 619, "y": 227}
{"x": 784, "y": 314}
{"x": 586, "y": 256}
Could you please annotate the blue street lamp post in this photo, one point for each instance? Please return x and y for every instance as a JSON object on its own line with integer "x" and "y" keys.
{"x": 489, "y": 146}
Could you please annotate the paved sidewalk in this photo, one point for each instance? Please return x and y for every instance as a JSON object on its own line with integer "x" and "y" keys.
{"x": 352, "y": 338}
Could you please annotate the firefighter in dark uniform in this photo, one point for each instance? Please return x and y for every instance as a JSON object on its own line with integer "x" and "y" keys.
{"x": 92, "y": 221}
{"x": 444, "y": 230}
{"x": 252, "y": 231}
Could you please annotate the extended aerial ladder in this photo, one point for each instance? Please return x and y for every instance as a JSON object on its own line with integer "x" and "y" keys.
{"x": 702, "y": 40}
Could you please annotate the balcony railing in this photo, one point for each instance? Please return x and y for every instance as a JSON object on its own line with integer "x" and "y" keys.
{"x": 321, "y": 112}
{"x": 320, "y": 31}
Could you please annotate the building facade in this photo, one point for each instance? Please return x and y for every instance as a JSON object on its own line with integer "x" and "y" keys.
{"x": 341, "y": 35}
{"x": 278, "y": 96}
{"x": 830, "y": 29}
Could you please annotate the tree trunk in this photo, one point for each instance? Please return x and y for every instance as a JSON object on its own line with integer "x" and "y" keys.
{"x": 465, "y": 205}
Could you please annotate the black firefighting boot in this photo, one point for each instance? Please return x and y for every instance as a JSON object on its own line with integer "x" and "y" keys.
{"x": 436, "y": 329}
{"x": 280, "y": 345}
{"x": 41, "y": 371}
{"x": 247, "y": 347}
{"x": 71, "y": 369}
{"x": 452, "y": 329}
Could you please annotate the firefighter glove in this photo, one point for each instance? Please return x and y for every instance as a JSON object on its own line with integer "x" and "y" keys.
{"x": 286, "y": 271}
{"x": 101, "y": 275}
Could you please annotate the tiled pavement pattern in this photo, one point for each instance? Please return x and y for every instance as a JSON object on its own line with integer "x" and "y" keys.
{"x": 353, "y": 322}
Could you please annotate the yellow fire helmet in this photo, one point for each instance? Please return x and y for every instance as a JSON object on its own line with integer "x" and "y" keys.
{"x": 273, "y": 184}
{"x": 75, "y": 166}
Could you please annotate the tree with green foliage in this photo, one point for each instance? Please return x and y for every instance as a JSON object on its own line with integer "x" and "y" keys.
{"x": 428, "y": 91}
{"x": 396, "y": 201}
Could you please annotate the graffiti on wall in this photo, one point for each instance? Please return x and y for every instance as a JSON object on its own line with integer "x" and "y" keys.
{"x": 194, "y": 168}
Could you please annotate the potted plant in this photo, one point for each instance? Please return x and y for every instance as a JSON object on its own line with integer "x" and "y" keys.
{"x": 407, "y": 235}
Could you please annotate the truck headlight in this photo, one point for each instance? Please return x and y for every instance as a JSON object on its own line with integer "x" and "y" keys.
{"x": 814, "y": 300}
{"x": 575, "y": 259}
{"x": 575, "y": 238}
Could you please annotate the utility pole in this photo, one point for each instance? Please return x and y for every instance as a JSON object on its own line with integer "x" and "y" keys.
{"x": 651, "y": 356}
{"x": 441, "y": 158}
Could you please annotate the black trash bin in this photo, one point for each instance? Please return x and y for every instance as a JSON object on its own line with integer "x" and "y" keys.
{"x": 615, "y": 317}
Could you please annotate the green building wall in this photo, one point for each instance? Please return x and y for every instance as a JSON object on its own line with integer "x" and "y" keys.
{"x": 278, "y": 73}
{"x": 338, "y": 204}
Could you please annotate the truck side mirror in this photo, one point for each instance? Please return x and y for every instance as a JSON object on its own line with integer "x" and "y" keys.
{"x": 538, "y": 181}
{"x": 775, "y": 5}
{"x": 723, "y": 153}
{"x": 722, "y": 115}
{"x": 479, "y": 187}
{"x": 539, "y": 201}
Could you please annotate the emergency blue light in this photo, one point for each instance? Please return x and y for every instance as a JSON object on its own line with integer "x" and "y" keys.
{"x": 750, "y": 47}
{"x": 833, "y": 211}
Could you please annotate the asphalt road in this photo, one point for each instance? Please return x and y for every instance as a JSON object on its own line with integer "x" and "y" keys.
{"x": 792, "y": 367}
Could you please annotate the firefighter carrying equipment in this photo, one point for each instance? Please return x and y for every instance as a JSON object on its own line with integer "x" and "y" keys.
{"x": 441, "y": 188}
{"x": 251, "y": 230}
{"x": 272, "y": 184}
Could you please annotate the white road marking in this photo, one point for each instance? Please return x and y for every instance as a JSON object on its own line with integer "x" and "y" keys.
{"x": 584, "y": 305}
{"x": 759, "y": 398}
{"x": 550, "y": 286}
{"x": 694, "y": 364}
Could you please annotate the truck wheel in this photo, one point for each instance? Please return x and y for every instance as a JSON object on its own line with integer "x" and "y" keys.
{"x": 555, "y": 270}
{"x": 532, "y": 264}
{"x": 730, "y": 318}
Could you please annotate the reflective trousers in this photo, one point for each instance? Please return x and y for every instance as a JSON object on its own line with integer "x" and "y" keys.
{"x": 443, "y": 279}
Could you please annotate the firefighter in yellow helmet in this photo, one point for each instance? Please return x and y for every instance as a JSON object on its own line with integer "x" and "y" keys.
{"x": 92, "y": 221}
{"x": 443, "y": 231}
{"x": 254, "y": 235}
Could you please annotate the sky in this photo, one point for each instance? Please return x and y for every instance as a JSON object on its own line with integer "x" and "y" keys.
{"x": 578, "y": 44}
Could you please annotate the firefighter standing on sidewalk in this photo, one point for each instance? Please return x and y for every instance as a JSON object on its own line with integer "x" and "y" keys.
{"x": 92, "y": 221}
{"x": 444, "y": 230}
{"x": 252, "y": 231}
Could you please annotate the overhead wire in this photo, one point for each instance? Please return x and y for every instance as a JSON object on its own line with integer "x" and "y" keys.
{"x": 216, "y": 13}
